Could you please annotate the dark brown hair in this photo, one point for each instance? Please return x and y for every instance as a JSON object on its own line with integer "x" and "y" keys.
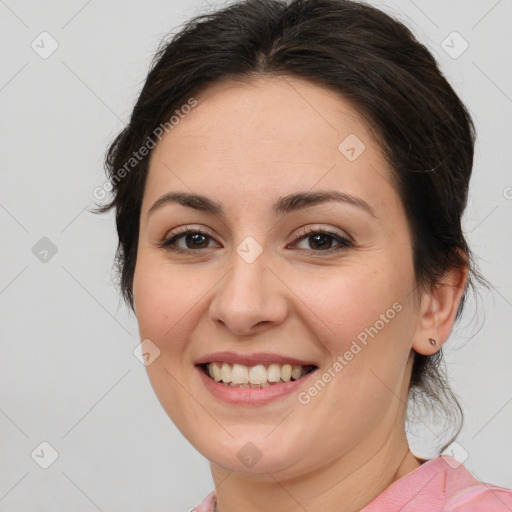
{"x": 368, "y": 58}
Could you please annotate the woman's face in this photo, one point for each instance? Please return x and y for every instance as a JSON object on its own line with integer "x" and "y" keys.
{"x": 260, "y": 278}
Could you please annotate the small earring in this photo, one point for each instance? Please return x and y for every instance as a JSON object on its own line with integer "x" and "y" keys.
{"x": 432, "y": 341}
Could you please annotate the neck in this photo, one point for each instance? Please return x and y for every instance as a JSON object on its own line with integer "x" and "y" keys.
{"x": 344, "y": 481}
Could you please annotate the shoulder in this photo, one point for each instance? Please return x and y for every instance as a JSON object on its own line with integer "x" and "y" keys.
{"x": 465, "y": 493}
{"x": 442, "y": 484}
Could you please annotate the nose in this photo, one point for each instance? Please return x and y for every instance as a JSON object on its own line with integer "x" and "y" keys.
{"x": 249, "y": 299}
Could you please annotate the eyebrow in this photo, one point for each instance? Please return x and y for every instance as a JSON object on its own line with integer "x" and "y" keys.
{"x": 282, "y": 206}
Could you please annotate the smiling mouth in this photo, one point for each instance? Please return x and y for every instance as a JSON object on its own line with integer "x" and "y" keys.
{"x": 259, "y": 376}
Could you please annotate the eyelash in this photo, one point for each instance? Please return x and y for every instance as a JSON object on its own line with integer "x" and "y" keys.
{"x": 344, "y": 243}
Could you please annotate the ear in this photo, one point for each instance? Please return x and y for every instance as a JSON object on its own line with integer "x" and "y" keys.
{"x": 438, "y": 310}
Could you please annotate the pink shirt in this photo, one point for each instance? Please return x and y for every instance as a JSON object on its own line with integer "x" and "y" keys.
{"x": 439, "y": 485}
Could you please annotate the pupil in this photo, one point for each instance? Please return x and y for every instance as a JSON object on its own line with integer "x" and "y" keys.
{"x": 195, "y": 239}
{"x": 321, "y": 236}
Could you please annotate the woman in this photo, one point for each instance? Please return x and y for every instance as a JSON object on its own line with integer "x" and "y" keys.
{"x": 288, "y": 198}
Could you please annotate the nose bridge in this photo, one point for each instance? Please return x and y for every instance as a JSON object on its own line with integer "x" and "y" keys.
{"x": 247, "y": 297}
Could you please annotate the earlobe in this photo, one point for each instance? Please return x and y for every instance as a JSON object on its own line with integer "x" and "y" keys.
{"x": 438, "y": 310}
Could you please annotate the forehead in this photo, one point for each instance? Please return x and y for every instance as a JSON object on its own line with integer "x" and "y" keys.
{"x": 272, "y": 113}
{"x": 272, "y": 135}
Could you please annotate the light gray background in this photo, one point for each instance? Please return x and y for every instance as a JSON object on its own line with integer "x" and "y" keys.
{"x": 68, "y": 373}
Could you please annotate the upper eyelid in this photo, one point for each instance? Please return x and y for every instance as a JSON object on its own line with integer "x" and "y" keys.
{"x": 301, "y": 233}
{"x": 302, "y": 230}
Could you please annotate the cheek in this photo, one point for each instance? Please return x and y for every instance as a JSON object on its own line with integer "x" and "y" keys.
{"x": 363, "y": 319}
{"x": 164, "y": 303}
{"x": 163, "y": 297}
{"x": 170, "y": 303}
{"x": 347, "y": 302}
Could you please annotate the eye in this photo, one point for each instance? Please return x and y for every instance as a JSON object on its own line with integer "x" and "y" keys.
{"x": 193, "y": 239}
{"x": 320, "y": 240}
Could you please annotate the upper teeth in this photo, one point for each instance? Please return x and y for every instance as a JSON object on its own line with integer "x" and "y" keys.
{"x": 259, "y": 374}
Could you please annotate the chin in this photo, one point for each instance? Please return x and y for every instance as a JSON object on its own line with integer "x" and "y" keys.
{"x": 253, "y": 456}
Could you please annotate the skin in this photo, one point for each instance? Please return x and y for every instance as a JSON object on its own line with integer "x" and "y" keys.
{"x": 244, "y": 145}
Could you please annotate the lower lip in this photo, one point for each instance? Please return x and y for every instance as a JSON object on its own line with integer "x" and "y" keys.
{"x": 250, "y": 396}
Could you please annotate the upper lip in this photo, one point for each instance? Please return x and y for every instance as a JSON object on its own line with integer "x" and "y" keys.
{"x": 251, "y": 359}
